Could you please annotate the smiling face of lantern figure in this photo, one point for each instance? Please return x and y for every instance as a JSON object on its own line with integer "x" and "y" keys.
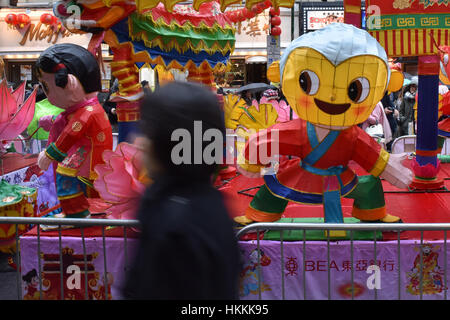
{"x": 334, "y": 97}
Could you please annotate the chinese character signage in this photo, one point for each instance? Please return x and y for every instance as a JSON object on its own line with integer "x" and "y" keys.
{"x": 255, "y": 27}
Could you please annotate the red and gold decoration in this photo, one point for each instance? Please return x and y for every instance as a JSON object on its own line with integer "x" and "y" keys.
{"x": 11, "y": 19}
{"x": 200, "y": 41}
{"x": 352, "y": 12}
{"x": 97, "y": 285}
{"x": 23, "y": 20}
{"x": 275, "y": 21}
{"x": 47, "y": 19}
{"x": 407, "y": 28}
{"x": 243, "y": 14}
{"x": 257, "y": 4}
{"x": 50, "y": 20}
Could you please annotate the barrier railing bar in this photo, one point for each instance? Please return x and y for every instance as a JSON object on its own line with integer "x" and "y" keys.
{"x": 328, "y": 266}
{"x": 83, "y": 240}
{"x": 125, "y": 248}
{"x": 445, "y": 265}
{"x": 18, "y": 265}
{"x": 421, "y": 262}
{"x": 105, "y": 272}
{"x": 345, "y": 226}
{"x": 70, "y": 221}
{"x": 375, "y": 292}
{"x": 61, "y": 263}
{"x": 39, "y": 260}
{"x": 398, "y": 270}
{"x": 351, "y": 260}
{"x": 304, "y": 264}
{"x": 259, "y": 265}
{"x": 282, "y": 265}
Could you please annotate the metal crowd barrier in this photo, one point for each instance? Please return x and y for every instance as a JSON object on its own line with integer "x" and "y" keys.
{"x": 256, "y": 227}
{"x": 351, "y": 227}
{"x": 81, "y": 223}
{"x": 408, "y": 144}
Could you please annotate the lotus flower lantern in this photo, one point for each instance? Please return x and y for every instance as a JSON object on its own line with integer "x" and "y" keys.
{"x": 15, "y": 113}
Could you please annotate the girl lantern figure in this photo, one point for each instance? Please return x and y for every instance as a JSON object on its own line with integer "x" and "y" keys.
{"x": 332, "y": 78}
{"x": 70, "y": 77}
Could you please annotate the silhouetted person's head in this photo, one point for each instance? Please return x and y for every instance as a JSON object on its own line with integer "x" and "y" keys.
{"x": 182, "y": 112}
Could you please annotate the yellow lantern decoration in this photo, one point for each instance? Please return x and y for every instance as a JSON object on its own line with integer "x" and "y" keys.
{"x": 396, "y": 82}
{"x": 334, "y": 88}
{"x": 273, "y": 71}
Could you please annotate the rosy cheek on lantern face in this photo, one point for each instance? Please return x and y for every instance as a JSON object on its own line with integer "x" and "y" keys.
{"x": 359, "y": 110}
{"x": 304, "y": 101}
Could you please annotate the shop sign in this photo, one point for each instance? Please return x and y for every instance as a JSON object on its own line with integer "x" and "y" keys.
{"x": 273, "y": 49}
{"x": 39, "y": 32}
{"x": 319, "y": 19}
{"x": 255, "y": 27}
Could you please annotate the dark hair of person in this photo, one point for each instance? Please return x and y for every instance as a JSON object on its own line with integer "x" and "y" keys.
{"x": 177, "y": 105}
{"x": 68, "y": 58}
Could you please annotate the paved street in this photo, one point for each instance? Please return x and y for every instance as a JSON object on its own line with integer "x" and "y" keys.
{"x": 8, "y": 280}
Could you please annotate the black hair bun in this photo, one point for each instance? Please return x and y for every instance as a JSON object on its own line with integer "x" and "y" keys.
{"x": 61, "y": 77}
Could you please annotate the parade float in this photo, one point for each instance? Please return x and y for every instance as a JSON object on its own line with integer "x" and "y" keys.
{"x": 314, "y": 266}
{"x": 304, "y": 261}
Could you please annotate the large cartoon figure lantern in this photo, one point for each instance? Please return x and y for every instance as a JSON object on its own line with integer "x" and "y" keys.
{"x": 70, "y": 77}
{"x": 332, "y": 78}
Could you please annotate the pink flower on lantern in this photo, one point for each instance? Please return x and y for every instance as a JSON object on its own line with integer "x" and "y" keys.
{"x": 283, "y": 109}
{"x": 426, "y": 171}
{"x": 15, "y": 112}
{"x": 121, "y": 181}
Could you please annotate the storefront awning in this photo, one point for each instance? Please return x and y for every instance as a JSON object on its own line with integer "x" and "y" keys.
{"x": 256, "y": 59}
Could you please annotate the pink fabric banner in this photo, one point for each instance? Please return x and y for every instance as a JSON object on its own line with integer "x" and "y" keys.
{"x": 275, "y": 270}
{"x": 73, "y": 262}
{"x": 340, "y": 266}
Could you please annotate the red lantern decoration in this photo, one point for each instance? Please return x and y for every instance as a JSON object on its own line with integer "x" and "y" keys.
{"x": 232, "y": 16}
{"x": 46, "y": 18}
{"x": 11, "y": 19}
{"x": 261, "y": 5}
{"x": 275, "y": 21}
{"x": 274, "y": 12}
{"x": 258, "y": 9}
{"x": 267, "y": 4}
{"x": 275, "y": 31}
{"x": 23, "y": 20}
{"x": 250, "y": 14}
{"x": 240, "y": 16}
